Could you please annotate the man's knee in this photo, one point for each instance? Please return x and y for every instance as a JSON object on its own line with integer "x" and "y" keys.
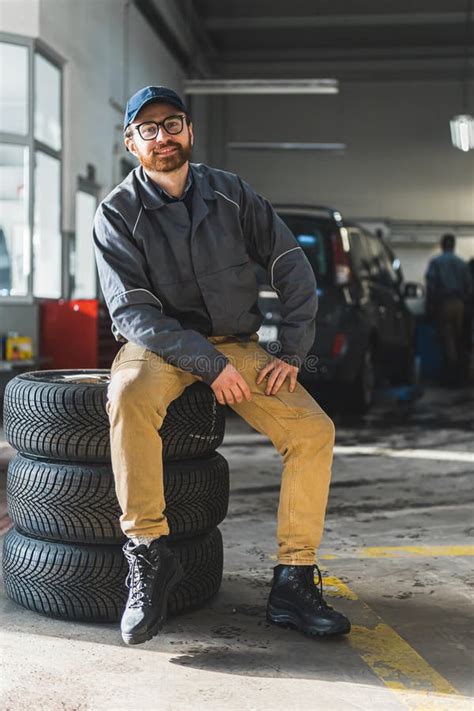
{"x": 324, "y": 430}
{"x": 126, "y": 389}
{"x": 329, "y": 428}
{"x": 314, "y": 432}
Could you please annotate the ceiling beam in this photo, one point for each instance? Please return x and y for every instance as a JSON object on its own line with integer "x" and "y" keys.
{"x": 437, "y": 70}
{"x": 284, "y": 146}
{"x": 346, "y": 54}
{"x": 290, "y": 22}
{"x": 199, "y": 30}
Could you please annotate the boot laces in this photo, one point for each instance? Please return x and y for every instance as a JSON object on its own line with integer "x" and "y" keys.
{"x": 313, "y": 591}
{"x": 137, "y": 580}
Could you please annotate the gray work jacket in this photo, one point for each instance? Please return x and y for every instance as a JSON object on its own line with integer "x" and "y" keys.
{"x": 168, "y": 281}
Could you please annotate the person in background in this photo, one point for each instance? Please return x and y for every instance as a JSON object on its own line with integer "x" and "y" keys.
{"x": 448, "y": 301}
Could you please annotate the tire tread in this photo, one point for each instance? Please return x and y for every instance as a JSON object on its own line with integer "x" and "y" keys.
{"x": 87, "y": 583}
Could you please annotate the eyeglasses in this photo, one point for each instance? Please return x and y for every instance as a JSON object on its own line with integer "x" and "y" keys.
{"x": 148, "y": 130}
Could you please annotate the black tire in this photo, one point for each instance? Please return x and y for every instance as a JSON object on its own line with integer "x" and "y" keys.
{"x": 87, "y": 583}
{"x": 60, "y": 414}
{"x": 76, "y": 503}
{"x": 359, "y": 397}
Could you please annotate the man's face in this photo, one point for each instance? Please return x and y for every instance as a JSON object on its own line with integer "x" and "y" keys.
{"x": 165, "y": 152}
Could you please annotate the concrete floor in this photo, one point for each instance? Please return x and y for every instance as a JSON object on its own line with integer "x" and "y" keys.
{"x": 396, "y": 557}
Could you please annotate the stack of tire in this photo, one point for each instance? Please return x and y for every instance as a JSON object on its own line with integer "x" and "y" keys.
{"x": 63, "y": 557}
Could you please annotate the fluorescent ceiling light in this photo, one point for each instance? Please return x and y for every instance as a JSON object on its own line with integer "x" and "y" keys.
{"x": 261, "y": 86}
{"x": 462, "y": 132}
{"x": 284, "y": 146}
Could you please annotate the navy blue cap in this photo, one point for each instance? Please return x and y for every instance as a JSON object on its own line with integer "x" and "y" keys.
{"x": 146, "y": 96}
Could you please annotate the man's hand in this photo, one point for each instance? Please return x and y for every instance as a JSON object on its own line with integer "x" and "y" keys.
{"x": 230, "y": 387}
{"x": 279, "y": 372}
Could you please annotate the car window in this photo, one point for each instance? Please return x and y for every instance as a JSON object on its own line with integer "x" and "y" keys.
{"x": 395, "y": 264}
{"x": 313, "y": 235}
{"x": 388, "y": 265}
{"x": 360, "y": 252}
{"x": 384, "y": 271}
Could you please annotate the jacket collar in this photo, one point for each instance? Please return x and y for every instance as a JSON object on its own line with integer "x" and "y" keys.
{"x": 150, "y": 197}
{"x": 204, "y": 187}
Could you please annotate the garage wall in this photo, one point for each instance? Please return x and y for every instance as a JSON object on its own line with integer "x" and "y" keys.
{"x": 24, "y": 320}
{"x": 110, "y": 53}
{"x": 20, "y": 18}
{"x": 399, "y": 162}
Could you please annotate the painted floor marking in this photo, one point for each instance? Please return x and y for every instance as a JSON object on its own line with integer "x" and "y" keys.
{"x": 409, "y": 551}
{"x": 390, "y": 657}
{"x": 452, "y": 551}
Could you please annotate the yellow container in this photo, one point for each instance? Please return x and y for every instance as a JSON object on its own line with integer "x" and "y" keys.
{"x": 18, "y": 348}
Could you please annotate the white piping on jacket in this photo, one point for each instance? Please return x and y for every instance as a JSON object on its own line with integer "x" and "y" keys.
{"x": 275, "y": 261}
{"x": 148, "y": 292}
{"x": 136, "y": 222}
{"x": 228, "y": 198}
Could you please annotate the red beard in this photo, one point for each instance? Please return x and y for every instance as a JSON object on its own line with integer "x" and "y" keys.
{"x": 165, "y": 164}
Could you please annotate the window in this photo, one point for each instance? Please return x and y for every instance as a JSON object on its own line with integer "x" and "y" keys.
{"x": 383, "y": 266}
{"x": 83, "y": 261}
{"x": 30, "y": 171}
{"x": 47, "y": 271}
{"x": 313, "y": 235}
{"x": 14, "y": 89}
{"x": 47, "y": 103}
{"x": 387, "y": 266}
{"x": 360, "y": 255}
{"x": 14, "y": 224}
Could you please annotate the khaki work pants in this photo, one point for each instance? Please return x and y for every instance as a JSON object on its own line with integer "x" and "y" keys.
{"x": 141, "y": 388}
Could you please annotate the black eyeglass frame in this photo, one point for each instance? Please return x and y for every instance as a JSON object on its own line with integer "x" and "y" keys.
{"x": 183, "y": 118}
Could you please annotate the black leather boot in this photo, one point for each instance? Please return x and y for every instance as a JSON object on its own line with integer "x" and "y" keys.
{"x": 297, "y": 601}
{"x": 153, "y": 572}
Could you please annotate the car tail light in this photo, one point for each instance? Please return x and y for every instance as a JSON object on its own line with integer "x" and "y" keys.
{"x": 340, "y": 252}
{"x": 339, "y": 345}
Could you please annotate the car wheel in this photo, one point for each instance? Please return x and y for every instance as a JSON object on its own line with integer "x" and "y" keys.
{"x": 361, "y": 392}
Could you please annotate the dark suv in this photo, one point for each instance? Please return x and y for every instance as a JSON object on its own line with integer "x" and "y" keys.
{"x": 364, "y": 330}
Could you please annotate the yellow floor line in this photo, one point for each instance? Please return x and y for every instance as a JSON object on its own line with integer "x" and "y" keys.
{"x": 403, "y": 552}
{"x": 395, "y": 662}
{"x": 426, "y": 551}
{"x": 390, "y": 657}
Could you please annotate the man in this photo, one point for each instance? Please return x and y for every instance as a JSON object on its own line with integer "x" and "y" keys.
{"x": 448, "y": 297}
{"x": 174, "y": 243}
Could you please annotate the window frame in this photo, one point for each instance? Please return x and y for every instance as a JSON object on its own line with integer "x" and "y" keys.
{"x": 89, "y": 186}
{"x": 37, "y": 46}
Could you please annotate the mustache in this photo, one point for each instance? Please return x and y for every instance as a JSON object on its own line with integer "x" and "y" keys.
{"x": 167, "y": 145}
